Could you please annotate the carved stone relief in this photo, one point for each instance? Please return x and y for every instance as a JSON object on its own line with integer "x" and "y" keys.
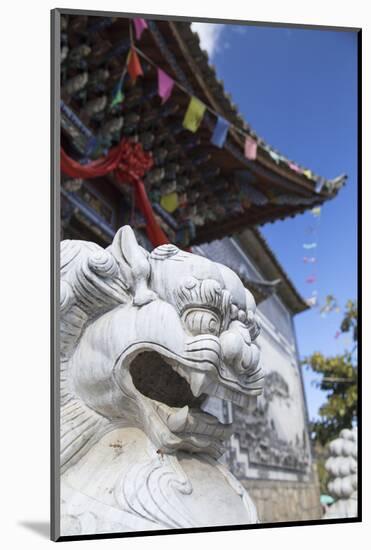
{"x": 257, "y": 437}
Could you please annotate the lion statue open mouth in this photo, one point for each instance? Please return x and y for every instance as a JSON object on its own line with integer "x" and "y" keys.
{"x": 149, "y": 341}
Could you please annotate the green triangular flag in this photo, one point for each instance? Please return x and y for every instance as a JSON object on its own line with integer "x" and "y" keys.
{"x": 119, "y": 98}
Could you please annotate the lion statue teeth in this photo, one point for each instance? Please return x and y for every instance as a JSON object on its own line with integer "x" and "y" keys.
{"x": 147, "y": 341}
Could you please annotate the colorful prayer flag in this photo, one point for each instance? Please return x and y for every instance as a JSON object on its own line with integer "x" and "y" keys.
{"x": 310, "y": 279}
{"x": 294, "y": 167}
{"x": 275, "y": 156}
{"x": 134, "y": 66}
{"x": 90, "y": 146}
{"x": 220, "y": 132}
{"x": 140, "y": 25}
{"x": 308, "y": 174}
{"x": 194, "y": 115}
{"x": 309, "y": 260}
{"x": 118, "y": 94}
{"x": 118, "y": 98}
{"x": 312, "y": 301}
{"x": 309, "y": 246}
{"x": 165, "y": 85}
{"x": 316, "y": 211}
{"x": 170, "y": 202}
{"x": 319, "y": 184}
{"x": 251, "y": 148}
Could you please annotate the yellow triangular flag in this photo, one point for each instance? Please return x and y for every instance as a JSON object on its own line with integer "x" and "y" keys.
{"x": 308, "y": 174}
{"x": 194, "y": 115}
{"x": 170, "y": 202}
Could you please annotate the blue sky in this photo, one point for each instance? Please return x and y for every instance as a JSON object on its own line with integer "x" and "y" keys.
{"x": 298, "y": 89}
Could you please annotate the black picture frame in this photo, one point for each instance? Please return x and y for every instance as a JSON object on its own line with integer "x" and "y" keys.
{"x": 55, "y": 243}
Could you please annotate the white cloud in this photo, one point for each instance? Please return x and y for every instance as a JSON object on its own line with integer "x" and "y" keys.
{"x": 210, "y": 36}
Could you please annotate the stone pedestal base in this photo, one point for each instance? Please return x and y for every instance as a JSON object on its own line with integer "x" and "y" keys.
{"x": 285, "y": 500}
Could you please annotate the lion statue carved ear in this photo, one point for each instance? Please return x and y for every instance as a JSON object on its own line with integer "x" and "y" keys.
{"x": 134, "y": 265}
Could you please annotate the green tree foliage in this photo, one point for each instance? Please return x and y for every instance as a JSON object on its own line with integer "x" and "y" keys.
{"x": 338, "y": 380}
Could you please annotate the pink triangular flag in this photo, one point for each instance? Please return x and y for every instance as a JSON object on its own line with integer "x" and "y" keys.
{"x": 165, "y": 85}
{"x": 294, "y": 167}
{"x": 140, "y": 25}
{"x": 251, "y": 148}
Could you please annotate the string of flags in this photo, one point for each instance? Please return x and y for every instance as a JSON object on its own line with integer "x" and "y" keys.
{"x": 311, "y": 260}
{"x": 196, "y": 109}
{"x": 331, "y": 304}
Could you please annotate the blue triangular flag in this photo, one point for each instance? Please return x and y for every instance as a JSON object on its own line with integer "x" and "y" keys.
{"x": 90, "y": 146}
{"x": 220, "y": 132}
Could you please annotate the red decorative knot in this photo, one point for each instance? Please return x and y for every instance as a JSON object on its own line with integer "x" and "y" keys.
{"x": 129, "y": 163}
{"x": 133, "y": 162}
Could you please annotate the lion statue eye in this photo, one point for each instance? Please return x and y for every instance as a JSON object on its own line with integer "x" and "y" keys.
{"x": 202, "y": 321}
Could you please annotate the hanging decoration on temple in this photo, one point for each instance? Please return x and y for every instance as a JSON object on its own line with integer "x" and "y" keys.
{"x": 165, "y": 85}
{"x": 129, "y": 163}
{"x": 220, "y": 132}
{"x": 167, "y": 189}
{"x": 311, "y": 261}
{"x": 140, "y": 25}
{"x": 134, "y": 66}
{"x": 170, "y": 202}
{"x": 251, "y": 148}
{"x": 319, "y": 185}
{"x": 194, "y": 114}
{"x": 316, "y": 211}
{"x": 275, "y": 156}
{"x": 118, "y": 92}
{"x": 294, "y": 167}
{"x": 308, "y": 174}
{"x": 196, "y": 108}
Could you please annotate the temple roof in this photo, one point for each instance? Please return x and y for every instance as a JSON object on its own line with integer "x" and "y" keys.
{"x": 249, "y": 255}
{"x": 220, "y": 192}
{"x": 259, "y": 251}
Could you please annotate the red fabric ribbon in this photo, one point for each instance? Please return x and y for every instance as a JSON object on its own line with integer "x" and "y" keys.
{"x": 129, "y": 163}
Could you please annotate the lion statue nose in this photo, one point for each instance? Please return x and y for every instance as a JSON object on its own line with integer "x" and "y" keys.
{"x": 238, "y": 352}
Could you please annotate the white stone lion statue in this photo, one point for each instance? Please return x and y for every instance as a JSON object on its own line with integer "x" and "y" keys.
{"x": 147, "y": 341}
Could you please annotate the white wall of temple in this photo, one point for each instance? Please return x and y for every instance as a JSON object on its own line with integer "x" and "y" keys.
{"x": 288, "y": 415}
{"x": 283, "y": 401}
